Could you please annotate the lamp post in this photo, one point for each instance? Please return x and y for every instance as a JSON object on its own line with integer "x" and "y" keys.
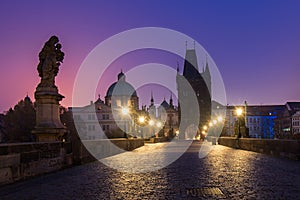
{"x": 125, "y": 112}
{"x": 141, "y": 122}
{"x": 239, "y": 112}
{"x": 151, "y": 123}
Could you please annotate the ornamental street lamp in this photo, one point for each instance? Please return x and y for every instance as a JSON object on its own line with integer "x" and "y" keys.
{"x": 125, "y": 112}
{"x": 239, "y": 112}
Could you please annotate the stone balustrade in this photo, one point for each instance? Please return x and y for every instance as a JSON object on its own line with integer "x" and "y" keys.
{"x": 282, "y": 148}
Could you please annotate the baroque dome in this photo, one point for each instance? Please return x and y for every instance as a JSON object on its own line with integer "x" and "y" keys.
{"x": 121, "y": 87}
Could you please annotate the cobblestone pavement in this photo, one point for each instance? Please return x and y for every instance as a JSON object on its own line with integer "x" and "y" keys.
{"x": 224, "y": 173}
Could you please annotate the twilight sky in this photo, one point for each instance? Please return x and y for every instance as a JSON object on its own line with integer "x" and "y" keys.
{"x": 255, "y": 44}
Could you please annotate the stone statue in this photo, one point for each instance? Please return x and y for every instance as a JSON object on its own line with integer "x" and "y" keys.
{"x": 50, "y": 57}
{"x": 48, "y": 125}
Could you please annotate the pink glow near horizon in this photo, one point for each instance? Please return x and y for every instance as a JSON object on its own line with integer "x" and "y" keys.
{"x": 256, "y": 52}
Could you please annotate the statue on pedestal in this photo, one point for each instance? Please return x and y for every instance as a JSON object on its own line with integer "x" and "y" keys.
{"x": 50, "y": 58}
{"x": 48, "y": 125}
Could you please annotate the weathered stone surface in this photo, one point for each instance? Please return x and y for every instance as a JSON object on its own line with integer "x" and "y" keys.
{"x": 23, "y": 160}
{"x": 225, "y": 173}
{"x": 9, "y": 160}
{"x": 5, "y": 175}
{"x": 98, "y": 149}
{"x": 283, "y": 148}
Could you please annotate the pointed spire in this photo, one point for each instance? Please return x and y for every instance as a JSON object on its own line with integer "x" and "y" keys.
{"x": 152, "y": 99}
{"x": 27, "y": 98}
{"x": 186, "y": 44}
{"x": 206, "y": 67}
{"x": 177, "y": 67}
{"x": 121, "y": 76}
{"x": 171, "y": 100}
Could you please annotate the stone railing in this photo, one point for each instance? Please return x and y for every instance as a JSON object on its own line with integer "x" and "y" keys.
{"x": 19, "y": 161}
{"x": 282, "y": 148}
{"x": 91, "y": 150}
{"x": 158, "y": 139}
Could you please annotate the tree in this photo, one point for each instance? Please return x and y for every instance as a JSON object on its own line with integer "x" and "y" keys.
{"x": 20, "y": 121}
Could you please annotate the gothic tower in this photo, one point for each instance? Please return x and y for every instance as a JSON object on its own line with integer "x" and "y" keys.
{"x": 201, "y": 85}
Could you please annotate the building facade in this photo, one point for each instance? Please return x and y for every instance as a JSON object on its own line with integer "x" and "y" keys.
{"x": 190, "y": 84}
{"x": 109, "y": 114}
{"x": 266, "y": 121}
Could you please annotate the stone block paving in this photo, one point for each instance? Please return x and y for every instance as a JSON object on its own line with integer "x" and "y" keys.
{"x": 224, "y": 173}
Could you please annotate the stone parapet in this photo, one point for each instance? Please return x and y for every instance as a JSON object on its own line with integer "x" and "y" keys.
{"x": 19, "y": 161}
{"x": 281, "y": 148}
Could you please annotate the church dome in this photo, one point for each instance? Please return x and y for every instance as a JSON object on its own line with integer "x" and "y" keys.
{"x": 121, "y": 87}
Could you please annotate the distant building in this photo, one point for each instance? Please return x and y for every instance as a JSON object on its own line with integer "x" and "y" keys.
{"x": 296, "y": 123}
{"x": 168, "y": 113}
{"x": 120, "y": 95}
{"x": 260, "y": 120}
{"x": 201, "y": 87}
{"x": 266, "y": 121}
{"x": 288, "y": 123}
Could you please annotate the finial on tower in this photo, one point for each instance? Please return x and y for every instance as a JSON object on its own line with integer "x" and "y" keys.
{"x": 171, "y": 100}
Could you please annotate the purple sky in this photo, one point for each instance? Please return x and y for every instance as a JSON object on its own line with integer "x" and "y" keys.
{"x": 255, "y": 44}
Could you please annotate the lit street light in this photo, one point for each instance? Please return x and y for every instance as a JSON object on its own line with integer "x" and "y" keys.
{"x": 141, "y": 119}
{"x": 239, "y": 112}
{"x": 158, "y": 124}
{"x": 220, "y": 118}
{"x": 151, "y": 122}
{"x": 125, "y": 111}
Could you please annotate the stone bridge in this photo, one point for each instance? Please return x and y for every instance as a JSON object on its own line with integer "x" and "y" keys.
{"x": 225, "y": 173}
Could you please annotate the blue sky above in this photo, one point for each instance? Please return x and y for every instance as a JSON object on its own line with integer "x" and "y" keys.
{"x": 255, "y": 44}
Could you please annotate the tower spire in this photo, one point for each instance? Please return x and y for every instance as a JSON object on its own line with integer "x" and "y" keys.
{"x": 177, "y": 67}
{"x": 186, "y": 44}
{"x": 171, "y": 101}
{"x": 152, "y": 100}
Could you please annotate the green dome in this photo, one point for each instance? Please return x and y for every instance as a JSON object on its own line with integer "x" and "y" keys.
{"x": 121, "y": 88}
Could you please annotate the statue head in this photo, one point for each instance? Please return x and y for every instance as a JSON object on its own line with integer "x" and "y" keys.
{"x": 58, "y": 46}
{"x": 53, "y": 40}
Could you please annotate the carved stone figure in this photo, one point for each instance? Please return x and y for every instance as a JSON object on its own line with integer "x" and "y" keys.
{"x": 50, "y": 58}
{"x": 48, "y": 125}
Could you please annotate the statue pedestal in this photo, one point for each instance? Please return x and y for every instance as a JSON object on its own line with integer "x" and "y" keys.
{"x": 48, "y": 125}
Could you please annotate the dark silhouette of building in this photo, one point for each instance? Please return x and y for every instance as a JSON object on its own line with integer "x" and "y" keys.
{"x": 201, "y": 88}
